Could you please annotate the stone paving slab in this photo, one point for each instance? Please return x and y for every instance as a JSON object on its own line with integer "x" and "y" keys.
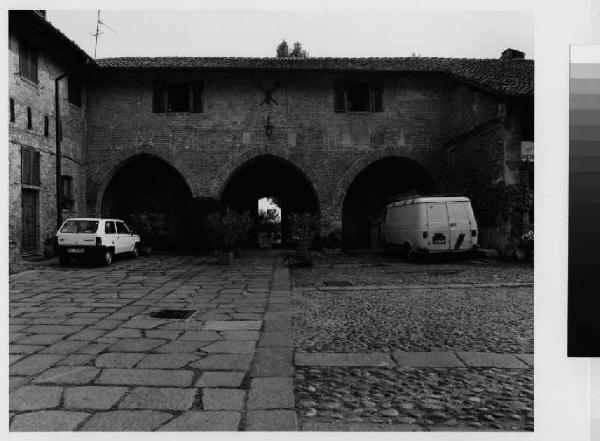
{"x": 273, "y": 362}
{"x": 47, "y": 421}
{"x": 204, "y": 421}
{"x": 339, "y": 359}
{"x": 67, "y": 375}
{"x": 159, "y": 398}
{"x": 220, "y": 379}
{"x": 223, "y": 399}
{"x": 231, "y": 347}
{"x": 427, "y": 359}
{"x": 29, "y": 398}
{"x": 488, "y": 359}
{"x": 271, "y": 393}
{"x": 92, "y": 397}
{"x": 271, "y": 420}
{"x": 146, "y": 377}
{"x": 229, "y": 362}
{"x": 122, "y": 420}
{"x": 233, "y": 325}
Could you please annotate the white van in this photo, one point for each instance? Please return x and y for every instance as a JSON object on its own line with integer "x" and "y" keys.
{"x": 421, "y": 225}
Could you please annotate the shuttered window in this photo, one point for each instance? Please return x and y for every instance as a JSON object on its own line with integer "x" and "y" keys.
{"x": 46, "y": 126}
{"x": 340, "y": 96}
{"x": 28, "y": 61}
{"x": 358, "y": 96}
{"x": 11, "y": 108}
{"x": 178, "y": 97}
{"x": 197, "y": 95}
{"x": 158, "y": 96}
{"x": 30, "y": 166}
{"x": 74, "y": 89}
{"x": 29, "y": 119}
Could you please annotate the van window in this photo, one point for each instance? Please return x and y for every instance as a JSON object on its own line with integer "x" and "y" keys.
{"x": 79, "y": 226}
{"x": 437, "y": 213}
{"x": 457, "y": 211}
{"x": 122, "y": 228}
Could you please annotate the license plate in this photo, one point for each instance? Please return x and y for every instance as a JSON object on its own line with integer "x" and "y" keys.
{"x": 439, "y": 238}
{"x": 75, "y": 250}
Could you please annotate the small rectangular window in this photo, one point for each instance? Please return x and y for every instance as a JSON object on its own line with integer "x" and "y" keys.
{"x": 178, "y": 97}
{"x": 46, "y": 126}
{"x": 28, "y": 61}
{"x": 11, "y": 106}
{"x": 158, "y": 96}
{"x": 67, "y": 186}
{"x": 197, "y": 92}
{"x": 29, "y": 120}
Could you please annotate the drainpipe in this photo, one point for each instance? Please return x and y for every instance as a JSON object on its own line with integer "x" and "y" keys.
{"x": 58, "y": 137}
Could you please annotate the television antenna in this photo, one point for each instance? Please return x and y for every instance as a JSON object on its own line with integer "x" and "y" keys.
{"x": 98, "y": 32}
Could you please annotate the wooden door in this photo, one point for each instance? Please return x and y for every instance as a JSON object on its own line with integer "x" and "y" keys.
{"x": 29, "y": 202}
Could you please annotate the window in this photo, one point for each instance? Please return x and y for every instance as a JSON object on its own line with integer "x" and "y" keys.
{"x": 67, "y": 187}
{"x": 29, "y": 121}
{"x": 28, "y": 61}
{"x": 80, "y": 226}
{"x": 74, "y": 89}
{"x": 358, "y": 96}
{"x": 46, "y": 126}
{"x": 11, "y": 106}
{"x": 30, "y": 166}
{"x": 177, "y": 97}
{"x": 122, "y": 228}
{"x": 109, "y": 228}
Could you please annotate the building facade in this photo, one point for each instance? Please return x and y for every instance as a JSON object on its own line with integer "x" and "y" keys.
{"x": 336, "y": 137}
{"x": 38, "y": 54}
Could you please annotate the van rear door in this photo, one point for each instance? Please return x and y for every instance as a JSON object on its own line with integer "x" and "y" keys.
{"x": 439, "y": 233}
{"x": 460, "y": 225}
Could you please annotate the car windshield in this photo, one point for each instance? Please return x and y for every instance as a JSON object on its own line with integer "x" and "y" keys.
{"x": 79, "y": 226}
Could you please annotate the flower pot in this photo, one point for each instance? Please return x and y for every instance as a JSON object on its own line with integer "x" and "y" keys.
{"x": 226, "y": 258}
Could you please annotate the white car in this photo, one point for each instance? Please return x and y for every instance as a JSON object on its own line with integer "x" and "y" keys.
{"x": 100, "y": 238}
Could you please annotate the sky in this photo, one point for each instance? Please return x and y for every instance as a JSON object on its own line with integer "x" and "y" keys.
{"x": 323, "y": 33}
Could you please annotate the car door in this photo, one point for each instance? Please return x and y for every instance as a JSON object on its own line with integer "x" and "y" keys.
{"x": 437, "y": 217}
{"x": 460, "y": 226}
{"x": 110, "y": 234}
{"x": 124, "y": 238}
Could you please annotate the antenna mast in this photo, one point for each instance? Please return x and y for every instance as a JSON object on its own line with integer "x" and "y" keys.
{"x": 98, "y": 33}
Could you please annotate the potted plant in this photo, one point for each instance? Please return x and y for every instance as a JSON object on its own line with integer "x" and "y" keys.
{"x": 303, "y": 230}
{"x": 226, "y": 232}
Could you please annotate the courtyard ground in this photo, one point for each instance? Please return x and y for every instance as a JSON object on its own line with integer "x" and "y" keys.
{"x": 357, "y": 343}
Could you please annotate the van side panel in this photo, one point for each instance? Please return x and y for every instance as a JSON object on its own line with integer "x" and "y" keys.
{"x": 439, "y": 233}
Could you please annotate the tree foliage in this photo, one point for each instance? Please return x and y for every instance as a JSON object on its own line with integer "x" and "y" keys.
{"x": 283, "y": 50}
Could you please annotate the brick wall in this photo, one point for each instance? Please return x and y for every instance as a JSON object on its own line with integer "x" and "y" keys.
{"x": 40, "y": 98}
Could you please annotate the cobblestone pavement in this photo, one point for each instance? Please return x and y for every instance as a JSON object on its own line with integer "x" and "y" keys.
{"x": 85, "y": 354}
{"x": 409, "y": 346}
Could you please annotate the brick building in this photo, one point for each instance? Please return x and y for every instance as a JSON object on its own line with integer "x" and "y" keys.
{"x": 38, "y": 54}
{"x": 335, "y": 136}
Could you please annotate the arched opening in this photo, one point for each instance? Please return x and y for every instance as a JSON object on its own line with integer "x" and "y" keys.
{"x": 275, "y": 179}
{"x": 371, "y": 190}
{"x": 151, "y": 196}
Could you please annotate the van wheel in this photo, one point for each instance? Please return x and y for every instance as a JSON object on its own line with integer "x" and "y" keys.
{"x": 63, "y": 259}
{"x": 106, "y": 257}
{"x": 409, "y": 252}
{"x": 136, "y": 252}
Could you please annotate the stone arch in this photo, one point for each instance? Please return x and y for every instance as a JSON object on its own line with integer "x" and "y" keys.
{"x": 128, "y": 156}
{"x": 364, "y": 162}
{"x": 226, "y": 172}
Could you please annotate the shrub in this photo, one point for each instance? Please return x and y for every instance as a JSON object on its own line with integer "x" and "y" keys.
{"x": 226, "y": 231}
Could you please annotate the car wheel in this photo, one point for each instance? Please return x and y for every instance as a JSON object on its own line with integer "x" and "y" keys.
{"x": 63, "y": 259}
{"x": 107, "y": 257}
{"x": 136, "y": 252}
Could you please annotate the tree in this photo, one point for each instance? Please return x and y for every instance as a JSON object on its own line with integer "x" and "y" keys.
{"x": 283, "y": 51}
{"x": 298, "y": 52}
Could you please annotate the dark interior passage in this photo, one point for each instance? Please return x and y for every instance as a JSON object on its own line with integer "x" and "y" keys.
{"x": 152, "y": 197}
{"x": 269, "y": 176}
{"x": 372, "y": 189}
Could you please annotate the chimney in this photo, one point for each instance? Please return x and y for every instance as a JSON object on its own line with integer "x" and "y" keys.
{"x": 512, "y": 54}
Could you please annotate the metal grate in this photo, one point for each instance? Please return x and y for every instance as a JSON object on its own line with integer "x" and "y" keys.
{"x": 174, "y": 314}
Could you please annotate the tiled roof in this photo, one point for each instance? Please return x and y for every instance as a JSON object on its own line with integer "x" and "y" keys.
{"x": 509, "y": 77}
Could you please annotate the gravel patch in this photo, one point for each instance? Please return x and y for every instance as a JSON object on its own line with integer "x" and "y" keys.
{"x": 419, "y": 398}
{"x": 476, "y": 319}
